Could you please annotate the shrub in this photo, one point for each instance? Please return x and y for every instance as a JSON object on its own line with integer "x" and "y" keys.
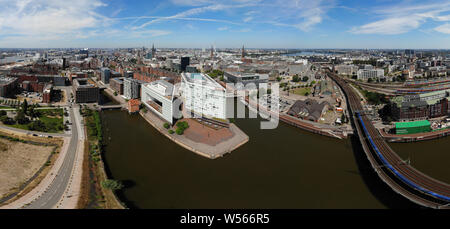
{"x": 171, "y": 131}
{"x": 112, "y": 184}
{"x": 166, "y": 125}
{"x": 180, "y": 131}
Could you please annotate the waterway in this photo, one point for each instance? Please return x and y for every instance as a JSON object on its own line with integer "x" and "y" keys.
{"x": 281, "y": 168}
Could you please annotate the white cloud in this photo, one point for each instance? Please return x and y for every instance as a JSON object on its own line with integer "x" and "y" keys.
{"x": 300, "y": 14}
{"x": 445, "y": 28}
{"x": 389, "y": 26}
{"x": 192, "y": 12}
{"x": 48, "y": 17}
{"x": 223, "y": 28}
{"x": 404, "y": 17}
{"x": 247, "y": 19}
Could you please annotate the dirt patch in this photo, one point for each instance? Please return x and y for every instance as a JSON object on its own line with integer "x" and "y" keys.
{"x": 19, "y": 163}
{"x": 25, "y": 161}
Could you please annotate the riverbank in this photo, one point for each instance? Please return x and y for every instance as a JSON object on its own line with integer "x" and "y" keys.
{"x": 323, "y": 130}
{"x": 94, "y": 194}
{"x": 415, "y": 137}
{"x": 238, "y": 139}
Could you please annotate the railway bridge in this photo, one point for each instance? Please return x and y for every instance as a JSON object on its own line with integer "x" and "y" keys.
{"x": 399, "y": 175}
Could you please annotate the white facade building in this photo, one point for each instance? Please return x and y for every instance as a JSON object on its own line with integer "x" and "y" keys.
{"x": 158, "y": 97}
{"x": 203, "y": 96}
{"x": 365, "y": 74}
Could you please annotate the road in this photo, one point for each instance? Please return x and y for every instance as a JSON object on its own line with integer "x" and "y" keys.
{"x": 56, "y": 189}
{"x": 34, "y": 132}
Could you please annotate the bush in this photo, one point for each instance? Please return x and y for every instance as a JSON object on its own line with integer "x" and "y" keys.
{"x": 180, "y": 131}
{"x": 112, "y": 184}
{"x": 183, "y": 125}
{"x": 171, "y": 131}
{"x": 2, "y": 113}
{"x": 166, "y": 125}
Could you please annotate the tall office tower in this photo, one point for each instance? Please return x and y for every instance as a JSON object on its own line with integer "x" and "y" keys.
{"x": 184, "y": 63}
{"x": 105, "y": 75}
{"x": 243, "y": 52}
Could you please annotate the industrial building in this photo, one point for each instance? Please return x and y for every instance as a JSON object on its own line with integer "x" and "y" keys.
{"x": 131, "y": 88}
{"x": 86, "y": 91}
{"x": 246, "y": 78}
{"x": 158, "y": 97}
{"x": 203, "y": 96}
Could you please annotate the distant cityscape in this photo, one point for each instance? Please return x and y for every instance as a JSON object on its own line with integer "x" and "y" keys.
{"x": 56, "y": 97}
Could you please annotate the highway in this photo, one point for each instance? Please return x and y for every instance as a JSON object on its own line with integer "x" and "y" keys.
{"x": 56, "y": 189}
{"x": 400, "y": 176}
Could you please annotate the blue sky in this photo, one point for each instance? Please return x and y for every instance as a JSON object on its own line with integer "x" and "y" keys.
{"x": 225, "y": 23}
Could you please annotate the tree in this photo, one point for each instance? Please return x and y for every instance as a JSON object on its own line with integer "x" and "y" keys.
{"x": 305, "y": 78}
{"x": 21, "y": 118}
{"x": 2, "y": 113}
{"x": 295, "y": 79}
{"x": 112, "y": 184}
{"x": 25, "y": 106}
{"x": 38, "y": 126}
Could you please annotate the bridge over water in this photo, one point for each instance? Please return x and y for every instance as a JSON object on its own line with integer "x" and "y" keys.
{"x": 393, "y": 170}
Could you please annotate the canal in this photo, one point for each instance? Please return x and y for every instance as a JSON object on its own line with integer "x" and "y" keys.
{"x": 281, "y": 168}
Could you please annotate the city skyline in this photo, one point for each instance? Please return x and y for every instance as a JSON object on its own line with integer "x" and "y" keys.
{"x": 226, "y": 24}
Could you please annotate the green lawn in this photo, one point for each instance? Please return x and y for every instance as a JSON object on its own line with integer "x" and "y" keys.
{"x": 52, "y": 121}
{"x": 302, "y": 91}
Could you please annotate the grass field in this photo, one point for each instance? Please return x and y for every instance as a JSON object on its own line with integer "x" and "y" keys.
{"x": 52, "y": 121}
{"x": 302, "y": 91}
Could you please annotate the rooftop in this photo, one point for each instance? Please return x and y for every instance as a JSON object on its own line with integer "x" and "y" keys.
{"x": 412, "y": 124}
{"x": 200, "y": 78}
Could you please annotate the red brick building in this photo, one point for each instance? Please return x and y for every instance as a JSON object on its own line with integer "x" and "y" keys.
{"x": 133, "y": 105}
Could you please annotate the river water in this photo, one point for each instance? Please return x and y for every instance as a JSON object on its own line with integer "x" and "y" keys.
{"x": 281, "y": 168}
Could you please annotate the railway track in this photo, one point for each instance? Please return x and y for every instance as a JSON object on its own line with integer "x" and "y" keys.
{"x": 404, "y": 178}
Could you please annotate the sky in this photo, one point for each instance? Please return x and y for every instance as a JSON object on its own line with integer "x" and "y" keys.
{"x": 375, "y": 24}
